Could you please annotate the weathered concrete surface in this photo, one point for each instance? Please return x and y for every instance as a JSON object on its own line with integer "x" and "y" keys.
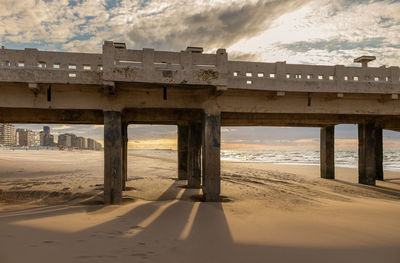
{"x": 34, "y": 115}
{"x": 211, "y": 156}
{"x": 183, "y": 134}
{"x": 147, "y": 65}
{"x": 366, "y": 153}
{"x": 379, "y": 153}
{"x": 194, "y": 156}
{"x": 124, "y": 154}
{"x": 112, "y": 157}
{"x": 327, "y": 152}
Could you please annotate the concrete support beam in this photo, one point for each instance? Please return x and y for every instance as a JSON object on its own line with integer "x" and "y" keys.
{"x": 124, "y": 155}
{"x": 211, "y": 156}
{"x": 183, "y": 132}
{"x": 112, "y": 157}
{"x": 194, "y": 156}
{"x": 327, "y": 152}
{"x": 366, "y": 153}
{"x": 379, "y": 153}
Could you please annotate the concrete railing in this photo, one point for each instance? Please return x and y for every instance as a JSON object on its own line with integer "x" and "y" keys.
{"x": 118, "y": 64}
{"x": 148, "y": 65}
{"x": 34, "y": 66}
{"x": 299, "y": 78}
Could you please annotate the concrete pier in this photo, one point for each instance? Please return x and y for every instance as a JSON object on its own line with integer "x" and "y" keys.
{"x": 327, "y": 152}
{"x": 366, "y": 153}
{"x": 183, "y": 132}
{"x": 211, "y": 156}
{"x": 189, "y": 86}
{"x": 194, "y": 156}
{"x": 112, "y": 157}
{"x": 124, "y": 154}
{"x": 379, "y": 153}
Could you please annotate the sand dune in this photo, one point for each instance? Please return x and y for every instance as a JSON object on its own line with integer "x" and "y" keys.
{"x": 51, "y": 211}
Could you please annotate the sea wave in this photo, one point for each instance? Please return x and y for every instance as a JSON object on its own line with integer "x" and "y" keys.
{"x": 343, "y": 157}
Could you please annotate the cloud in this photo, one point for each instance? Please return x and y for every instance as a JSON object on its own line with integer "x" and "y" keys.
{"x": 330, "y": 32}
{"x": 210, "y": 26}
{"x": 298, "y": 31}
{"x": 62, "y": 127}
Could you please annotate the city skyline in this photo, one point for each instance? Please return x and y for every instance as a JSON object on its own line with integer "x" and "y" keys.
{"x": 14, "y": 136}
{"x": 165, "y": 136}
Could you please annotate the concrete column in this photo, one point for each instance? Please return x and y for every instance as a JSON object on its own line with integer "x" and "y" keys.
{"x": 379, "y": 153}
{"x": 366, "y": 153}
{"x": 112, "y": 157}
{"x": 183, "y": 132}
{"x": 194, "y": 156}
{"x": 327, "y": 152}
{"x": 124, "y": 155}
{"x": 211, "y": 156}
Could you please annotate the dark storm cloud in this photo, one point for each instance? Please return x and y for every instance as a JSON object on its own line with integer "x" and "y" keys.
{"x": 214, "y": 27}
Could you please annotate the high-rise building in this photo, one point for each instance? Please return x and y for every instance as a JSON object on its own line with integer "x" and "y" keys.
{"x": 46, "y": 139}
{"x": 22, "y": 137}
{"x": 64, "y": 140}
{"x": 34, "y": 139}
{"x": 97, "y": 146}
{"x": 28, "y": 138}
{"x": 7, "y": 134}
{"x": 90, "y": 143}
{"x": 84, "y": 143}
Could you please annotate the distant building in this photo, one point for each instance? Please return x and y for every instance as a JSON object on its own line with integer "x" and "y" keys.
{"x": 65, "y": 140}
{"x": 22, "y": 137}
{"x": 74, "y": 141}
{"x": 69, "y": 140}
{"x": 84, "y": 143}
{"x": 34, "y": 139}
{"x": 97, "y": 146}
{"x": 46, "y": 139}
{"x": 90, "y": 143}
{"x": 7, "y": 134}
{"x": 80, "y": 142}
{"x": 28, "y": 138}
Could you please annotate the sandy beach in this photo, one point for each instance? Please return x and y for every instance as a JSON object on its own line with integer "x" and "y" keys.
{"x": 51, "y": 211}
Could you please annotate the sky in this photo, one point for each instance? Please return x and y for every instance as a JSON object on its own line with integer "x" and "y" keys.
{"x": 326, "y": 32}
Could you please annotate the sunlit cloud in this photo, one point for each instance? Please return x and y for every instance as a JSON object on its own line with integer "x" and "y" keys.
{"x": 297, "y": 31}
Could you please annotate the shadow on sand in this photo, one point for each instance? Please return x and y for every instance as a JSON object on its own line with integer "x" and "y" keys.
{"x": 171, "y": 229}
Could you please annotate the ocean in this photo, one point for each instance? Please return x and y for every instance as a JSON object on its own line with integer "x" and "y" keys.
{"x": 343, "y": 157}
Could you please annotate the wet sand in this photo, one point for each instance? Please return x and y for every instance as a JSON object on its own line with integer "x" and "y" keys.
{"x": 51, "y": 211}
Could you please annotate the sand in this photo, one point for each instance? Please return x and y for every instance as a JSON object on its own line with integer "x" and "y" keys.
{"x": 51, "y": 211}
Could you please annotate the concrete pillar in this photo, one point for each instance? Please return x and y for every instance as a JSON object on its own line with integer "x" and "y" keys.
{"x": 124, "y": 155}
{"x": 379, "y": 153}
{"x": 112, "y": 157}
{"x": 194, "y": 156}
{"x": 211, "y": 156}
{"x": 366, "y": 153}
{"x": 327, "y": 152}
{"x": 183, "y": 132}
